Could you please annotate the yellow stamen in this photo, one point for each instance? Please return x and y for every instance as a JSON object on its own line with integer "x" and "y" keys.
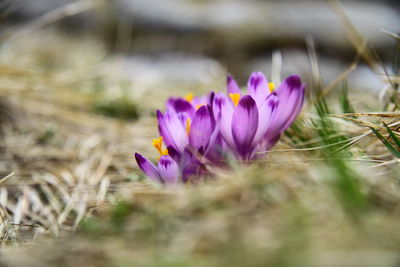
{"x": 235, "y": 98}
{"x": 188, "y": 126}
{"x": 164, "y": 152}
{"x": 199, "y": 106}
{"x": 157, "y": 143}
{"x": 271, "y": 86}
{"x": 189, "y": 97}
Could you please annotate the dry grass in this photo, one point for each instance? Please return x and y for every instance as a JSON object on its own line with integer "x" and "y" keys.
{"x": 62, "y": 157}
{"x": 69, "y": 173}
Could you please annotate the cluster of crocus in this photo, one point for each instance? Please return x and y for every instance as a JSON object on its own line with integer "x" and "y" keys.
{"x": 199, "y": 132}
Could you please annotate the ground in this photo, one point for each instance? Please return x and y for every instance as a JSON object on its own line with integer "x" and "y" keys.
{"x": 72, "y": 194}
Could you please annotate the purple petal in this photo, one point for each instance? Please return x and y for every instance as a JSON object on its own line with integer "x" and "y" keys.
{"x": 215, "y": 152}
{"x": 200, "y": 100}
{"x": 201, "y": 128}
{"x": 266, "y": 113}
{"x": 169, "y": 170}
{"x": 172, "y": 130}
{"x": 183, "y": 118}
{"x": 211, "y": 97}
{"x": 180, "y": 105}
{"x": 164, "y": 132}
{"x": 297, "y": 98}
{"x": 223, "y": 110}
{"x": 148, "y": 168}
{"x": 244, "y": 125}
{"x": 257, "y": 87}
{"x": 175, "y": 155}
{"x": 291, "y": 99}
{"x": 219, "y": 101}
{"x": 211, "y": 112}
{"x": 192, "y": 166}
{"x": 264, "y": 146}
{"x": 232, "y": 86}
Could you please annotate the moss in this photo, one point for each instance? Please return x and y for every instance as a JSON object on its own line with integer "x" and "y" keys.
{"x": 120, "y": 108}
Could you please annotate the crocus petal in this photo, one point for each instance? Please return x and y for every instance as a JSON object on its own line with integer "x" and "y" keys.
{"x": 244, "y": 125}
{"x": 264, "y": 146}
{"x": 296, "y": 98}
{"x": 175, "y": 155}
{"x": 192, "y": 165}
{"x": 148, "y": 168}
{"x": 215, "y": 152}
{"x": 232, "y": 86}
{"x": 257, "y": 87}
{"x": 219, "y": 101}
{"x": 168, "y": 170}
{"x": 183, "y": 118}
{"x": 266, "y": 113}
{"x": 172, "y": 130}
{"x": 210, "y": 100}
{"x": 223, "y": 111}
{"x": 180, "y": 105}
{"x": 200, "y": 100}
{"x": 201, "y": 128}
{"x": 291, "y": 98}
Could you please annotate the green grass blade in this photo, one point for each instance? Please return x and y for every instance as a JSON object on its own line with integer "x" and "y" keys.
{"x": 393, "y": 136}
{"x": 345, "y": 181}
{"x": 389, "y": 146}
{"x": 344, "y": 100}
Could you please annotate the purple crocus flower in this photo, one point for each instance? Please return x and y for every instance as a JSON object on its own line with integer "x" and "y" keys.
{"x": 166, "y": 172}
{"x": 253, "y": 123}
{"x": 207, "y": 130}
{"x": 197, "y": 120}
{"x": 193, "y": 128}
{"x": 173, "y": 167}
{"x": 188, "y": 135}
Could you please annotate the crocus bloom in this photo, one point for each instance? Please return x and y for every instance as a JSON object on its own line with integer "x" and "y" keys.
{"x": 166, "y": 172}
{"x": 210, "y": 129}
{"x": 190, "y": 124}
{"x": 188, "y": 133}
{"x": 253, "y": 123}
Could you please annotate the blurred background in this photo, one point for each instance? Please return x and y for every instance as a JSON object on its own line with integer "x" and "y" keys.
{"x": 179, "y": 43}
